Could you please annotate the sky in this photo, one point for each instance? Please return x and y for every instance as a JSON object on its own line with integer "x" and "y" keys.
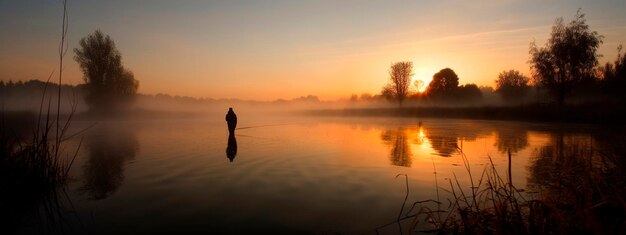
{"x": 267, "y": 50}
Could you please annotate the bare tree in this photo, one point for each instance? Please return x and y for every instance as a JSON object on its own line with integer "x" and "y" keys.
{"x": 399, "y": 81}
{"x": 569, "y": 56}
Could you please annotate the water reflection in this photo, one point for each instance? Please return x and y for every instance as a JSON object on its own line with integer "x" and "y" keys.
{"x": 573, "y": 175}
{"x": 288, "y": 175}
{"x": 444, "y": 146}
{"x": 560, "y": 163}
{"x": 231, "y": 149}
{"x": 398, "y": 141}
{"x": 109, "y": 148}
{"x": 511, "y": 139}
{"x": 444, "y": 139}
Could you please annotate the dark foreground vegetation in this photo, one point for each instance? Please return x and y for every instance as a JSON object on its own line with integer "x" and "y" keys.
{"x": 32, "y": 172}
{"x": 572, "y": 189}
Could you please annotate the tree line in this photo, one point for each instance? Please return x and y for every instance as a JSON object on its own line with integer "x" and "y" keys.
{"x": 567, "y": 65}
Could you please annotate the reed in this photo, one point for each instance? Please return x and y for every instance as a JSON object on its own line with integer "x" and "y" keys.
{"x": 33, "y": 165}
{"x": 585, "y": 193}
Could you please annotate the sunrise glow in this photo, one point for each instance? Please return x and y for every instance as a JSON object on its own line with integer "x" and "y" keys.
{"x": 287, "y": 49}
{"x": 313, "y": 117}
{"x": 422, "y": 77}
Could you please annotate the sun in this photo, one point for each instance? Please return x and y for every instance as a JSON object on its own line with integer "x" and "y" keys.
{"x": 421, "y": 79}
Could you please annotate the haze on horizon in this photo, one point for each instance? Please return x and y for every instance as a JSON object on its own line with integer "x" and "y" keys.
{"x": 286, "y": 49}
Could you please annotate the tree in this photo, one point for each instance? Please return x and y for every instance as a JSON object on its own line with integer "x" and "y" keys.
{"x": 399, "y": 80}
{"x": 512, "y": 85}
{"x": 354, "y": 98}
{"x": 614, "y": 76}
{"x": 444, "y": 84}
{"x": 366, "y": 97}
{"x": 468, "y": 93}
{"x": 569, "y": 56}
{"x": 109, "y": 86}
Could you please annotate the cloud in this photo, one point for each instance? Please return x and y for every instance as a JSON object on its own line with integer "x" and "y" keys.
{"x": 493, "y": 40}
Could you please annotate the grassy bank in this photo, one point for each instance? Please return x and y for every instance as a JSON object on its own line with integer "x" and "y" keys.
{"x": 32, "y": 171}
{"x": 603, "y": 113}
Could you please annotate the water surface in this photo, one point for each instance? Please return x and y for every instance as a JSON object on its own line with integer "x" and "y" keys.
{"x": 285, "y": 175}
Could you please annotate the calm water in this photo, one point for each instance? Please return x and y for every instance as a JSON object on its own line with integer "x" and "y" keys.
{"x": 284, "y": 175}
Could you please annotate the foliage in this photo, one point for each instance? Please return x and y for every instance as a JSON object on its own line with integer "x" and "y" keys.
{"x": 399, "y": 81}
{"x": 569, "y": 56}
{"x": 32, "y": 169}
{"x": 614, "y": 75}
{"x": 444, "y": 83}
{"x": 512, "y": 85}
{"x": 108, "y": 84}
{"x": 469, "y": 93}
{"x": 19, "y": 95}
{"x": 30, "y": 165}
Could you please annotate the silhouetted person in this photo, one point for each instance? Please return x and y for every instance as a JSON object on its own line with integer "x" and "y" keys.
{"x": 231, "y": 149}
{"x": 231, "y": 120}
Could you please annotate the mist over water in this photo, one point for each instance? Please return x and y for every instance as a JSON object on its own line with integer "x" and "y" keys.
{"x": 290, "y": 174}
{"x": 323, "y": 118}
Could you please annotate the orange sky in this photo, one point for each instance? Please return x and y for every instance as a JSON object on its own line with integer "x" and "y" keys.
{"x": 287, "y": 49}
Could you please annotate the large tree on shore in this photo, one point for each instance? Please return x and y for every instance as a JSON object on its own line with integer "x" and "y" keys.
{"x": 569, "y": 56}
{"x": 109, "y": 86}
{"x": 444, "y": 84}
{"x": 399, "y": 81}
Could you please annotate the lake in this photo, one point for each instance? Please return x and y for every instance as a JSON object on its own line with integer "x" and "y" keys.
{"x": 288, "y": 175}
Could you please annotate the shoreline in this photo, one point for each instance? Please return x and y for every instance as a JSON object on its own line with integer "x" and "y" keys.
{"x": 589, "y": 113}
